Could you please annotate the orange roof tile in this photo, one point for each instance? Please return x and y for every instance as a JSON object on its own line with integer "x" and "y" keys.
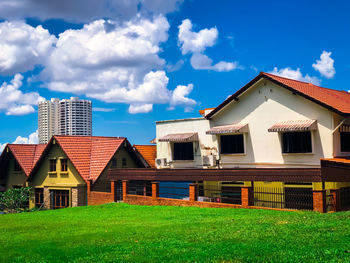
{"x": 27, "y": 155}
{"x": 149, "y": 153}
{"x": 89, "y": 154}
{"x": 335, "y": 100}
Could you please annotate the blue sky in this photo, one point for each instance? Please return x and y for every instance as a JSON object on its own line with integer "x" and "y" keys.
{"x": 152, "y": 60}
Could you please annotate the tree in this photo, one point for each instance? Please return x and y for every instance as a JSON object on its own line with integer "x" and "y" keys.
{"x": 15, "y": 200}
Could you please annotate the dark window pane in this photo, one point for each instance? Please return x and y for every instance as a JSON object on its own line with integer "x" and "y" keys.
{"x": 124, "y": 162}
{"x": 296, "y": 142}
{"x": 232, "y": 144}
{"x": 183, "y": 151}
{"x": 64, "y": 165}
{"x": 345, "y": 141}
{"x": 53, "y": 165}
{"x": 17, "y": 167}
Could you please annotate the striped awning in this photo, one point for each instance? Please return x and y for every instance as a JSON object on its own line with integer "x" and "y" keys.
{"x": 180, "y": 137}
{"x": 232, "y": 128}
{"x": 299, "y": 125}
{"x": 344, "y": 128}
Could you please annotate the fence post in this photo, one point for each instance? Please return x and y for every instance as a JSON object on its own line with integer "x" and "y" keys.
{"x": 155, "y": 191}
{"x": 125, "y": 188}
{"x": 246, "y": 196}
{"x": 319, "y": 200}
{"x": 335, "y": 194}
{"x": 193, "y": 192}
{"x": 113, "y": 191}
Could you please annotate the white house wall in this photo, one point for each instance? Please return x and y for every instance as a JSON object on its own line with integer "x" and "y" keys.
{"x": 261, "y": 106}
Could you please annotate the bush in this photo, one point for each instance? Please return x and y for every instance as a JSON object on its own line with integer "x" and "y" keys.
{"x": 15, "y": 200}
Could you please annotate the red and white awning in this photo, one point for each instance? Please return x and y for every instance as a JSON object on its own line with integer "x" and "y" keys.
{"x": 180, "y": 137}
{"x": 299, "y": 125}
{"x": 232, "y": 128}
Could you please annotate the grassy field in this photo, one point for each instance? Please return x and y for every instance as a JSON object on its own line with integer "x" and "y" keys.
{"x": 126, "y": 233}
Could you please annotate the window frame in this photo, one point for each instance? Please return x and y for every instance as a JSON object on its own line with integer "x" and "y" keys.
{"x": 232, "y": 134}
{"x": 288, "y": 153}
{"x": 340, "y": 142}
{"x": 51, "y": 166}
{"x": 124, "y": 162}
{"x": 39, "y": 192}
{"x": 64, "y": 165}
{"x": 114, "y": 163}
{"x": 184, "y": 160}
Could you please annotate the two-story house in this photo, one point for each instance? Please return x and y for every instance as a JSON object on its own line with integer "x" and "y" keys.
{"x": 273, "y": 126}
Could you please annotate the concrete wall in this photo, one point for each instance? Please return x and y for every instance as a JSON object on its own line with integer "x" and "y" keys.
{"x": 263, "y": 105}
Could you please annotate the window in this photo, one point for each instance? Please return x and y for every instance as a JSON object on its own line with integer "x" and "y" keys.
{"x": 183, "y": 151}
{"x": 39, "y": 197}
{"x": 114, "y": 162}
{"x": 17, "y": 167}
{"x": 53, "y": 165}
{"x": 124, "y": 162}
{"x": 345, "y": 141}
{"x": 296, "y": 142}
{"x": 231, "y": 144}
{"x": 64, "y": 165}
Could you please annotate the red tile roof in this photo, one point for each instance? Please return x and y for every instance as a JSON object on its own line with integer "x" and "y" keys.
{"x": 335, "y": 100}
{"x": 89, "y": 154}
{"x": 149, "y": 153}
{"x": 27, "y": 155}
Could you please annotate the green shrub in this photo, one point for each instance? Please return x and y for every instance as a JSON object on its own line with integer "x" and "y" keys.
{"x": 15, "y": 200}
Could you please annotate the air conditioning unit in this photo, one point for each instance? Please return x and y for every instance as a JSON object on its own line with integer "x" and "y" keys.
{"x": 209, "y": 160}
{"x": 161, "y": 162}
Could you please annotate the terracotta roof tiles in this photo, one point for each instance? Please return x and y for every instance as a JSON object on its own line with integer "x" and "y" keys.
{"x": 27, "y": 155}
{"x": 149, "y": 153}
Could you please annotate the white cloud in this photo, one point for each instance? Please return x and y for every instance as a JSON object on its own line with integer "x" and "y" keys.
{"x": 201, "y": 61}
{"x": 112, "y": 62}
{"x": 295, "y": 74}
{"x": 196, "y": 43}
{"x": 83, "y": 10}
{"x": 23, "y": 46}
{"x": 325, "y": 65}
{"x": 179, "y": 97}
{"x": 103, "y": 109}
{"x": 14, "y": 101}
{"x": 140, "y": 108}
{"x": 31, "y": 139}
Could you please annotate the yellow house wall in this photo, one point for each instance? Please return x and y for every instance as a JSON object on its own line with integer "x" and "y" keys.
{"x": 13, "y": 177}
{"x": 103, "y": 183}
{"x": 58, "y": 180}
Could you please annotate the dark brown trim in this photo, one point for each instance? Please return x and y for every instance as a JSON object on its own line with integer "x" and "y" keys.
{"x": 256, "y": 79}
{"x": 335, "y": 171}
{"x": 252, "y": 174}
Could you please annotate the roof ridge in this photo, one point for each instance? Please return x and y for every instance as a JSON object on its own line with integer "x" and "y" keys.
{"x": 266, "y": 73}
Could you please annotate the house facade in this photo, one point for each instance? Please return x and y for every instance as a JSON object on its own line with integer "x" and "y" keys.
{"x": 69, "y": 170}
{"x": 270, "y": 123}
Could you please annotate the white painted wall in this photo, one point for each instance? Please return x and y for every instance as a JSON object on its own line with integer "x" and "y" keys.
{"x": 263, "y": 105}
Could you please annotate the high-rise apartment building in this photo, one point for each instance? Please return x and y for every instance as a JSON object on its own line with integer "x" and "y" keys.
{"x": 64, "y": 117}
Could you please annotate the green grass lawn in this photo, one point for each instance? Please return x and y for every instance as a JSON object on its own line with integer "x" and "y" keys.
{"x": 126, "y": 233}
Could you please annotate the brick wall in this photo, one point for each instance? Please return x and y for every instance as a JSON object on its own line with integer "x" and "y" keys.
{"x": 99, "y": 198}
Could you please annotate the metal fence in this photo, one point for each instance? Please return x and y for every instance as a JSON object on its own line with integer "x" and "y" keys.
{"x": 284, "y": 198}
{"x": 220, "y": 194}
{"x": 345, "y": 198}
{"x": 140, "y": 188}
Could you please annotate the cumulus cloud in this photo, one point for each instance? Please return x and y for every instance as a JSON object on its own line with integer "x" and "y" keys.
{"x": 23, "y": 46}
{"x": 83, "y": 10}
{"x": 140, "y": 108}
{"x": 31, "y": 139}
{"x": 14, "y": 101}
{"x": 112, "y": 62}
{"x": 179, "y": 97}
{"x": 196, "y": 43}
{"x": 325, "y": 65}
{"x": 295, "y": 74}
{"x": 201, "y": 61}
